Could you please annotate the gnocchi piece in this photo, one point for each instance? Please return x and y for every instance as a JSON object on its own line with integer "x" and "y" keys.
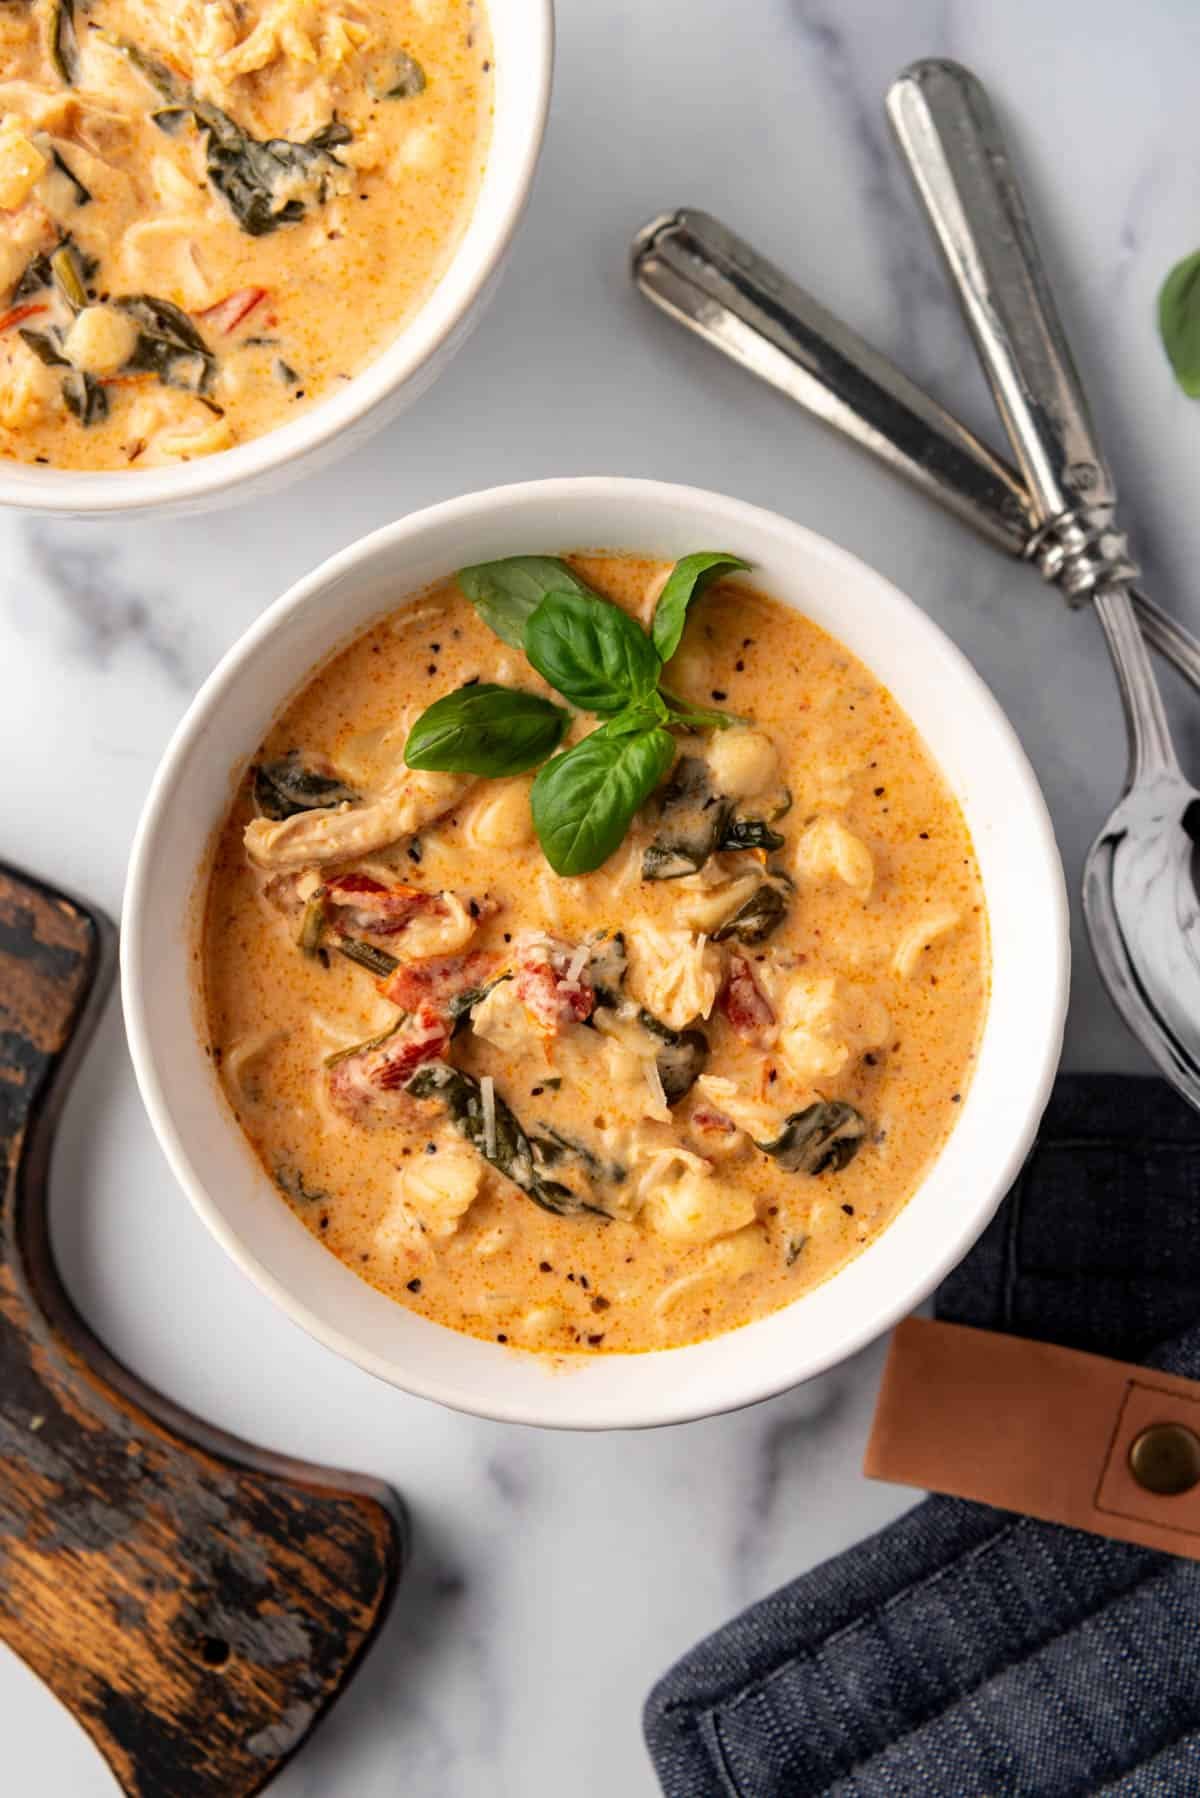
{"x": 501, "y": 819}
{"x": 826, "y": 1024}
{"x": 22, "y": 164}
{"x": 738, "y": 1255}
{"x": 100, "y": 340}
{"x": 706, "y": 903}
{"x": 502, "y": 1020}
{"x": 726, "y": 1262}
{"x": 753, "y": 1116}
{"x": 937, "y": 922}
{"x": 26, "y": 386}
{"x": 744, "y": 763}
{"x": 540, "y": 1323}
{"x": 439, "y": 1190}
{"x": 827, "y": 850}
{"x": 673, "y": 973}
{"x": 686, "y": 1203}
{"x": 398, "y": 1236}
{"x": 181, "y": 442}
{"x": 441, "y": 930}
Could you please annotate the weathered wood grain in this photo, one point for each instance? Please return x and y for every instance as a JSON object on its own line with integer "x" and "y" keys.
{"x": 196, "y": 1602}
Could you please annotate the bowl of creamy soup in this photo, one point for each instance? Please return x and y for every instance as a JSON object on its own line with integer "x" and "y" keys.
{"x": 595, "y": 953}
{"x": 235, "y": 234}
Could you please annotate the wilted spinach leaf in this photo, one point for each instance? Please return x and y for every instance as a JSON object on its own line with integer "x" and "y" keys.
{"x": 168, "y": 345}
{"x": 246, "y": 173}
{"x": 408, "y": 80}
{"x": 506, "y": 1147}
{"x": 823, "y": 1138}
{"x": 758, "y": 916}
{"x": 293, "y": 784}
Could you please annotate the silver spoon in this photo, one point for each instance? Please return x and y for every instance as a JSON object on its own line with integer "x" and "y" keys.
{"x": 1139, "y": 896}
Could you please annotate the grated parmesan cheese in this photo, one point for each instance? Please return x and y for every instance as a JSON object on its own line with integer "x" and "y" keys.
{"x": 487, "y": 1088}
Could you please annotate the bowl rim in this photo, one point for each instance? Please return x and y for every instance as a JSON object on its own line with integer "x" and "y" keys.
{"x": 760, "y": 1381}
{"x": 347, "y": 412}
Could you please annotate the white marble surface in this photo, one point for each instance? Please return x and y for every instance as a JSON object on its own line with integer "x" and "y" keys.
{"x": 555, "y": 1577}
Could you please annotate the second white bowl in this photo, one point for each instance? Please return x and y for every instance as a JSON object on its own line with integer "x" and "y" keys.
{"x": 523, "y": 43}
{"x": 967, "y": 734}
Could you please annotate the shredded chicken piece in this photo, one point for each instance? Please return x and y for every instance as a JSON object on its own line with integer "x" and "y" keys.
{"x": 343, "y": 833}
{"x": 673, "y": 973}
{"x": 938, "y": 921}
{"x": 826, "y": 850}
{"x": 826, "y": 1024}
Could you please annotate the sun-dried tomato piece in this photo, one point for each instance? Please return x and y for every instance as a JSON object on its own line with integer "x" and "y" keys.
{"x": 359, "y": 902}
{"x": 368, "y": 1083}
{"x": 439, "y": 979}
{"x": 552, "y": 989}
{"x": 712, "y": 1121}
{"x": 745, "y": 1004}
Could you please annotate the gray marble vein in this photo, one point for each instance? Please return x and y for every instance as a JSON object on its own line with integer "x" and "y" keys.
{"x": 79, "y": 586}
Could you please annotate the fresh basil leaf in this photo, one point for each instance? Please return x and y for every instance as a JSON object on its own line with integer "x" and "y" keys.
{"x": 644, "y": 714}
{"x": 1179, "y": 322}
{"x": 485, "y": 729}
{"x": 584, "y": 800}
{"x": 506, "y": 594}
{"x": 591, "y": 652}
{"x": 699, "y": 717}
{"x": 686, "y": 582}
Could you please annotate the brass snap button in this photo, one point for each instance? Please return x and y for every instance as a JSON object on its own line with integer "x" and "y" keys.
{"x": 1165, "y": 1458}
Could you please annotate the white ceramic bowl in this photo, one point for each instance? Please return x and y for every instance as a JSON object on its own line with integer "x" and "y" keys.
{"x": 523, "y": 39}
{"x": 963, "y": 727}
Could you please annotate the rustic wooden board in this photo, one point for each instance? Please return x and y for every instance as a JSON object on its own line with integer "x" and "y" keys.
{"x": 196, "y": 1602}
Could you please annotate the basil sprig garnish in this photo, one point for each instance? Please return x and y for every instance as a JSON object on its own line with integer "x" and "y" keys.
{"x": 1179, "y": 322}
{"x": 601, "y": 661}
{"x": 484, "y": 729}
{"x": 686, "y": 581}
{"x": 506, "y": 594}
{"x": 584, "y": 800}
{"x": 591, "y": 652}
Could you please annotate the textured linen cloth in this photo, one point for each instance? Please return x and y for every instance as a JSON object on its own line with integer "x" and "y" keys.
{"x": 964, "y": 1652}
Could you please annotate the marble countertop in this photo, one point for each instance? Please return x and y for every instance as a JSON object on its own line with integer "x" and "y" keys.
{"x": 556, "y": 1576}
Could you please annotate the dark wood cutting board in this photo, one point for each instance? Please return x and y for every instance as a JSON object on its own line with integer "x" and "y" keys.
{"x": 197, "y": 1603}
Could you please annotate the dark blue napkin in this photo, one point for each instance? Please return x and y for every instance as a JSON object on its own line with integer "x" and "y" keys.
{"x": 965, "y": 1652}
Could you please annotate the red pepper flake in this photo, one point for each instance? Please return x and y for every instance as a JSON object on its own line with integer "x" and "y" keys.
{"x": 414, "y": 1286}
{"x": 18, "y": 314}
{"x": 230, "y": 312}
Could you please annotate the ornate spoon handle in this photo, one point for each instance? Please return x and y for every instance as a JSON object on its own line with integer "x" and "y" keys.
{"x": 949, "y": 137}
{"x": 715, "y": 284}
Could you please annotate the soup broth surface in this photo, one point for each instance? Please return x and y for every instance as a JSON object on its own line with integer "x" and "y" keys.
{"x": 645, "y": 1043}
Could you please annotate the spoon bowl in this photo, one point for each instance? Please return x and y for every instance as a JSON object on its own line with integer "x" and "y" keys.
{"x": 1139, "y": 900}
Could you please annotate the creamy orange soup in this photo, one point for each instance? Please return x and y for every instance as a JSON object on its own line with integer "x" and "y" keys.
{"x": 723, "y": 1079}
{"x": 213, "y": 212}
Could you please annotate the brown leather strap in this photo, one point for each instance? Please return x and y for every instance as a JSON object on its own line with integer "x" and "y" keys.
{"x": 1049, "y": 1432}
